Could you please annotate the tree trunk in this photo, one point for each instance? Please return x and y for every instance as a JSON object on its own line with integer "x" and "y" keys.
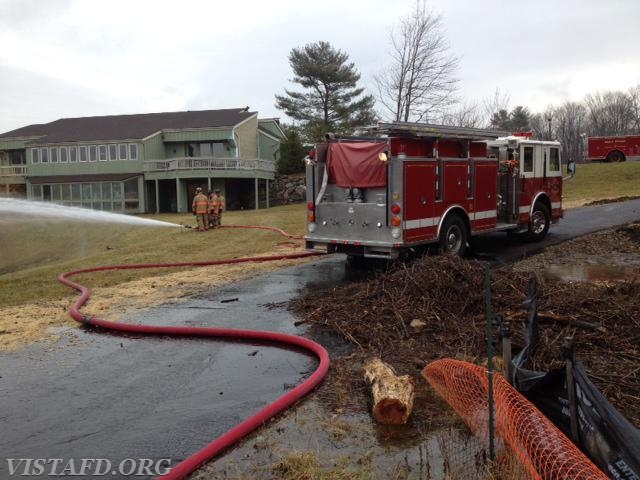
{"x": 392, "y": 395}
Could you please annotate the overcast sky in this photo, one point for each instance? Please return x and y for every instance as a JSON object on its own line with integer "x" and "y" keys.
{"x": 70, "y": 58}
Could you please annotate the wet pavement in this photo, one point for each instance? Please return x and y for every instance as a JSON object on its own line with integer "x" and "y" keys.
{"x": 500, "y": 248}
{"x": 100, "y": 395}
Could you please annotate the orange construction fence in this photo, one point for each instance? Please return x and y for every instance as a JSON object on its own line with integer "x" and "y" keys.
{"x": 544, "y": 451}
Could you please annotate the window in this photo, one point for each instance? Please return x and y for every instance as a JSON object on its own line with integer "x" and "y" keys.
{"x": 527, "y": 165}
{"x": 66, "y": 192}
{"x": 36, "y": 190}
{"x": 35, "y": 158}
{"x": 44, "y": 155}
{"x": 554, "y": 160}
{"x": 193, "y": 150}
{"x": 73, "y": 154}
{"x": 54, "y": 155}
{"x": 102, "y": 152}
{"x": 123, "y": 152}
{"x": 131, "y": 199}
{"x": 56, "y": 192}
{"x": 96, "y": 195}
{"x": 83, "y": 153}
{"x": 133, "y": 152}
{"x": 206, "y": 150}
{"x": 64, "y": 154}
{"x": 75, "y": 192}
{"x": 113, "y": 152}
{"x": 93, "y": 153}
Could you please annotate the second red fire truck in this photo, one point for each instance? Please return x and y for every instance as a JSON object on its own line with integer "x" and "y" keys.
{"x": 613, "y": 149}
{"x": 401, "y": 186}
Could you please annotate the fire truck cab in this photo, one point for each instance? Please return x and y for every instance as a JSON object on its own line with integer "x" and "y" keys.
{"x": 401, "y": 186}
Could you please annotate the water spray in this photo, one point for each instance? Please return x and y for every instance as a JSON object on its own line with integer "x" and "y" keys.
{"x": 23, "y": 208}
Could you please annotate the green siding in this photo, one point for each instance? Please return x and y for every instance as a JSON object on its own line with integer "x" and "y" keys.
{"x": 153, "y": 148}
{"x": 271, "y": 127}
{"x": 198, "y": 135}
{"x": 247, "y": 138}
{"x": 10, "y": 144}
{"x": 268, "y": 148}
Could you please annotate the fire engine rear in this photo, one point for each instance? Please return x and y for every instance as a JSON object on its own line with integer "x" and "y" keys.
{"x": 401, "y": 186}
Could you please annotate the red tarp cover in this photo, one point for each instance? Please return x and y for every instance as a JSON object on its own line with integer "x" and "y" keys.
{"x": 357, "y": 165}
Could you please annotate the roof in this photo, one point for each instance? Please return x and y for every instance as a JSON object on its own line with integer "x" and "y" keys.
{"x": 127, "y": 127}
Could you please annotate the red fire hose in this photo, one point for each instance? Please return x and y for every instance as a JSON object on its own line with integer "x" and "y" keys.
{"x": 223, "y": 442}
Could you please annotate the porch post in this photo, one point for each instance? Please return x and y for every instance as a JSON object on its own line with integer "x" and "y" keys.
{"x": 178, "y": 197}
{"x": 157, "y": 197}
{"x": 267, "y": 180}
{"x": 255, "y": 186}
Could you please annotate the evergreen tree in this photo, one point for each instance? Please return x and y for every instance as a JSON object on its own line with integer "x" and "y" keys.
{"x": 500, "y": 120}
{"x": 332, "y": 101}
{"x": 292, "y": 152}
{"x": 520, "y": 119}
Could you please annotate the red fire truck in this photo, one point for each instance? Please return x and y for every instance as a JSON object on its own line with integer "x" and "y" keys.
{"x": 401, "y": 186}
{"x": 613, "y": 149}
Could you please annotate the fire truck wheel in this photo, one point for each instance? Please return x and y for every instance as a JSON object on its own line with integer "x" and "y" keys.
{"x": 453, "y": 236}
{"x": 615, "y": 157}
{"x": 539, "y": 223}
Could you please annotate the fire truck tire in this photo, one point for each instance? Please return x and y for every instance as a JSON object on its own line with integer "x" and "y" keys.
{"x": 539, "y": 223}
{"x": 615, "y": 156}
{"x": 453, "y": 236}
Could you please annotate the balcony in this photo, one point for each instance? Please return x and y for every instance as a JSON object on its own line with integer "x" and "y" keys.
{"x": 15, "y": 173}
{"x": 208, "y": 163}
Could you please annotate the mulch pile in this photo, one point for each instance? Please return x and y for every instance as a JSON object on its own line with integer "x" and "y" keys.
{"x": 434, "y": 307}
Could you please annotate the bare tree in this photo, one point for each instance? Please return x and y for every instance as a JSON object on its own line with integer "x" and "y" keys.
{"x": 610, "y": 113}
{"x": 634, "y": 98}
{"x": 495, "y": 104}
{"x": 463, "y": 115}
{"x": 420, "y": 82}
{"x": 570, "y": 121}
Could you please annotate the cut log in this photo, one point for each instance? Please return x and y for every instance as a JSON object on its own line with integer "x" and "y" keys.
{"x": 392, "y": 394}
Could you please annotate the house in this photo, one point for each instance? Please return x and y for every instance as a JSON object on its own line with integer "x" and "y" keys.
{"x": 145, "y": 162}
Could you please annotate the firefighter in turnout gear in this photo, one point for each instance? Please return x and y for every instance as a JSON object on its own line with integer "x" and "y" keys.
{"x": 200, "y": 208}
{"x": 216, "y": 207}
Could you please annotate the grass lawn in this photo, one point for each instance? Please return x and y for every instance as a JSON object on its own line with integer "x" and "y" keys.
{"x": 599, "y": 181}
{"x": 36, "y": 250}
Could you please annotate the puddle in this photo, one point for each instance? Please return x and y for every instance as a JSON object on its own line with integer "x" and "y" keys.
{"x": 592, "y": 273}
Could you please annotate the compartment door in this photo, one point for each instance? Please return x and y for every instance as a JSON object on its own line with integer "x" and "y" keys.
{"x": 419, "y": 196}
{"x": 486, "y": 198}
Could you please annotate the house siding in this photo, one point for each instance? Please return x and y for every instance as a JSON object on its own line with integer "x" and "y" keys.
{"x": 150, "y": 183}
{"x": 268, "y": 148}
{"x": 247, "y": 139}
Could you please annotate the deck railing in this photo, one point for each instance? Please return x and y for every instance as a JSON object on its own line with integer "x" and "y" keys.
{"x": 13, "y": 171}
{"x": 208, "y": 163}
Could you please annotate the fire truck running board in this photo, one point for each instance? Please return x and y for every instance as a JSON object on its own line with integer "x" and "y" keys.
{"x": 506, "y": 226}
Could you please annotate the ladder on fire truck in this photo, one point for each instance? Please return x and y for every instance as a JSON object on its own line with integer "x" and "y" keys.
{"x": 432, "y": 131}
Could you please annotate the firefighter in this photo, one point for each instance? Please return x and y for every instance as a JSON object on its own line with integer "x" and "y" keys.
{"x": 218, "y": 205}
{"x": 211, "y": 205}
{"x": 200, "y": 208}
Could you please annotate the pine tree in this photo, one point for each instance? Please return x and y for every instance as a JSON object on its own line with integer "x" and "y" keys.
{"x": 332, "y": 101}
{"x": 292, "y": 152}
